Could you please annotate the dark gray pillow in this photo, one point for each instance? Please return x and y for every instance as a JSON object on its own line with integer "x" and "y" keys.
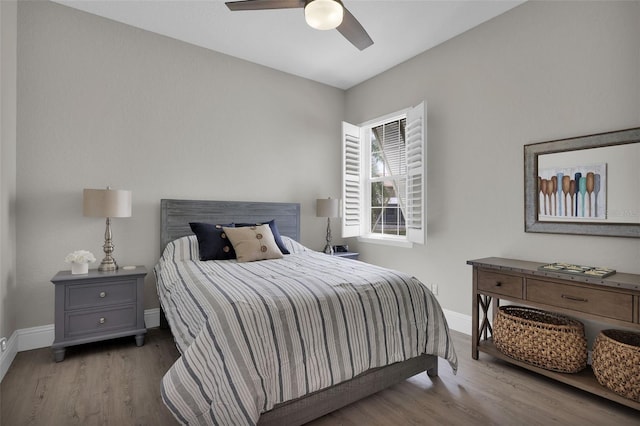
{"x": 213, "y": 243}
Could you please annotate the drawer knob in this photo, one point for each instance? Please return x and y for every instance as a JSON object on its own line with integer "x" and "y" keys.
{"x": 498, "y": 284}
{"x": 102, "y": 320}
{"x": 575, "y": 299}
{"x": 103, "y": 294}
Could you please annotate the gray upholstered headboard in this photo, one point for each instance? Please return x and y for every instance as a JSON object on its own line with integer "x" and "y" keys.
{"x": 175, "y": 216}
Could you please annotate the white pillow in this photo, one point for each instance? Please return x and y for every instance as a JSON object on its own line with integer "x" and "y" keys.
{"x": 253, "y": 243}
{"x": 293, "y": 246}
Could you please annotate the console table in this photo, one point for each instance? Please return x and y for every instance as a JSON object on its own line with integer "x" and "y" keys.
{"x": 614, "y": 300}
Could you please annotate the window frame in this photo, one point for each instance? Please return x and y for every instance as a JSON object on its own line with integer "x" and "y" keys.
{"x": 362, "y": 144}
{"x": 366, "y": 130}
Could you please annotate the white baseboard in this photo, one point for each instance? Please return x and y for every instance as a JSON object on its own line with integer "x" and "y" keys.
{"x": 35, "y": 337}
{"x": 7, "y": 357}
{"x": 152, "y": 318}
{"x": 458, "y": 322}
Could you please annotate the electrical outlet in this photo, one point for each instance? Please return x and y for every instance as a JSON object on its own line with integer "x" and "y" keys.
{"x": 3, "y": 344}
{"x": 434, "y": 289}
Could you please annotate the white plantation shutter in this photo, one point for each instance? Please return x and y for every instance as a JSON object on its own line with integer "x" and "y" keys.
{"x": 352, "y": 181}
{"x": 393, "y": 147}
{"x": 415, "y": 210}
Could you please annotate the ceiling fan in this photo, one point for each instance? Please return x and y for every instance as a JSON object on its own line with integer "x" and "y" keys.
{"x": 319, "y": 14}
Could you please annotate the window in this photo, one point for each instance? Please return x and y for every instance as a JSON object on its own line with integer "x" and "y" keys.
{"x": 384, "y": 178}
{"x": 387, "y": 176}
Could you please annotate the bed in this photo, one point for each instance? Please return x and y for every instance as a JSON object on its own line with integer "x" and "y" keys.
{"x": 281, "y": 342}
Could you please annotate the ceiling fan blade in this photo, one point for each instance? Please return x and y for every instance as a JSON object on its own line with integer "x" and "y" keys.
{"x": 353, "y": 31}
{"x": 264, "y": 4}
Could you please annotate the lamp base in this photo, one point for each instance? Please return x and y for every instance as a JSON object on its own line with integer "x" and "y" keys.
{"x": 328, "y": 249}
{"x": 108, "y": 265}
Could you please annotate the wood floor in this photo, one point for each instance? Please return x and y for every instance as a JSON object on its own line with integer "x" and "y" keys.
{"x": 117, "y": 383}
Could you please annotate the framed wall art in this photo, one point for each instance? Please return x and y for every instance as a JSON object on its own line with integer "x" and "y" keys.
{"x": 588, "y": 185}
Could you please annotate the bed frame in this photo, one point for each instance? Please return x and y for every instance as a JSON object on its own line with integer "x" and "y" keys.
{"x": 174, "y": 221}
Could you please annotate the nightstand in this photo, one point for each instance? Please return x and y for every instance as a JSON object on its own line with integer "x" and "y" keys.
{"x": 347, "y": 254}
{"x": 98, "y": 306}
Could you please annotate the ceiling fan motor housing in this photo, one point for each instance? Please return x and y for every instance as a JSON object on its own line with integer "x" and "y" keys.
{"x": 323, "y": 14}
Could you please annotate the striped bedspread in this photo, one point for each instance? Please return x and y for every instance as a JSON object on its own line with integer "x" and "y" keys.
{"x": 255, "y": 334}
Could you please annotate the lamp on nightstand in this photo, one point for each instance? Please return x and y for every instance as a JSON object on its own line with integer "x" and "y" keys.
{"x": 107, "y": 203}
{"x": 328, "y": 207}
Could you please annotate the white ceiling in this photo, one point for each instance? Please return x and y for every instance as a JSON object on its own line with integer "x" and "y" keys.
{"x": 281, "y": 39}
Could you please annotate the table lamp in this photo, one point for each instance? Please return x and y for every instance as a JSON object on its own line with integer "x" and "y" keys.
{"x": 107, "y": 203}
{"x": 328, "y": 207}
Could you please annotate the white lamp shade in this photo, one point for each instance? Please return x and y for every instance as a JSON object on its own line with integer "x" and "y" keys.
{"x": 327, "y": 207}
{"x": 106, "y": 203}
{"x": 323, "y": 14}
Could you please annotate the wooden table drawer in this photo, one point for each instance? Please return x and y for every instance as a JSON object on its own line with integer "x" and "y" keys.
{"x": 80, "y": 323}
{"x": 103, "y": 294}
{"x": 496, "y": 282}
{"x": 592, "y": 301}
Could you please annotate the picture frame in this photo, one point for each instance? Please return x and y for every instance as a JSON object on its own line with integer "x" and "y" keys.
{"x": 618, "y": 149}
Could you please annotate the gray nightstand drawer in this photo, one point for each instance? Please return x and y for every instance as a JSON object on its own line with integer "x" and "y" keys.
{"x": 102, "y": 294}
{"x": 83, "y": 323}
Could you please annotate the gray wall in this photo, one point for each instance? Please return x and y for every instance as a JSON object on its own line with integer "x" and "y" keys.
{"x": 8, "y": 33}
{"x": 102, "y": 103}
{"x": 542, "y": 71}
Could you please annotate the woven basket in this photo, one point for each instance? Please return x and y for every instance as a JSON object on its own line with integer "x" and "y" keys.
{"x": 616, "y": 362}
{"x": 544, "y": 339}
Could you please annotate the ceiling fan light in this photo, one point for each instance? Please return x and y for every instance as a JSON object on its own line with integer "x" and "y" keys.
{"x": 323, "y": 14}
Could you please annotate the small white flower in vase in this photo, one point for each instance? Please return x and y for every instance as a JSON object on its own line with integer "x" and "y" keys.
{"x": 80, "y": 260}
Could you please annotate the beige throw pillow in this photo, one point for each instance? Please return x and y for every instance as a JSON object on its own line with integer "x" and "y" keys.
{"x": 253, "y": 243}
